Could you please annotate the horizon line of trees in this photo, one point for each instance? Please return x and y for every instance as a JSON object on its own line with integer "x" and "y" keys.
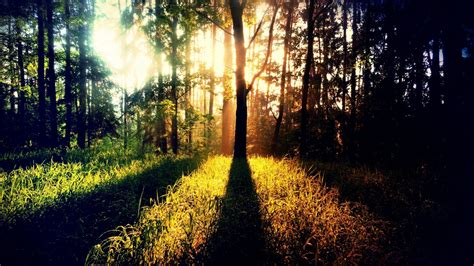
{"x": 378, "y": 82}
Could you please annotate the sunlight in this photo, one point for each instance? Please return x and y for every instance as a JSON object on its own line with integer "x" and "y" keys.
{"x": 127, "y": 52}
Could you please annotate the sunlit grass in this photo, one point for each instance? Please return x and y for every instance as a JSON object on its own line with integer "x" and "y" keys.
{"x": 26, "y": 191}
{"x": 302, "y": 220}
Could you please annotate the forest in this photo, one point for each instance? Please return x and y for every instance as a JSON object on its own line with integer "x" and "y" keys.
{"x": 241, "y": 132}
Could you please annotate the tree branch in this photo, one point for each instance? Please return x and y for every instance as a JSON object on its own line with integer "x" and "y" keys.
{"x": 322, "y": 10}
{"x": 269, "y": 51}
{"x": 258, "y": 28}
{"x": 202, "y": 14}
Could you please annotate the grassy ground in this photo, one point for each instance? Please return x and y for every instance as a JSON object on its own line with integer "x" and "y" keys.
{"x": 413, "y": 202}
{"x": 260, "y": 211}
{"x": 51, "y": 213}
{"x": 263, "y": 211}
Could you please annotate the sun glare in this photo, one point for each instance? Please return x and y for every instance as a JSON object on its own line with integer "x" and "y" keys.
{"x": 127, "y": 52}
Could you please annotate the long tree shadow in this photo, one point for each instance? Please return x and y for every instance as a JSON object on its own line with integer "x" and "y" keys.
{"x": 63, "y": 234}
{"x": 238, "y": 238}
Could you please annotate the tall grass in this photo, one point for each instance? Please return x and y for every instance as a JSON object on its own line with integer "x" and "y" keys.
{"x": 104, "y": 152}
{"x": 26, "y": 191}
{"x": 302, "y": 220}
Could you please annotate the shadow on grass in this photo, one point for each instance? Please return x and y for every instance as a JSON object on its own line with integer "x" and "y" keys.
{"x": 238, "y": 239}
{"x": 64, "y": 233}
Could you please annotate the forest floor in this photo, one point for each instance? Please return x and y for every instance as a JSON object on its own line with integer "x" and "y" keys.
{"x": 168, "y": 210}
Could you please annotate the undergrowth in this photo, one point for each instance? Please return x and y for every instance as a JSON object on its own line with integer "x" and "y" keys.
{"x": 26, "y": 191}
{"x": 303, "y": 221}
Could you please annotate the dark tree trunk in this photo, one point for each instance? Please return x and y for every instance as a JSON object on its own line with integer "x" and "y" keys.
{"x": 187, "y": 86}
{"x": 343, "y": 126}
{"x": 11, "y": 61}
{"x": 51, "y": 77}
{"x": 325, "y": 71}
{"x": 161, "y": 125}
{"x": 125, "y": 119}
{"x": 81, "y": 125}
{"x": 67, "y": 77}
{"x": 419, "y": 76}
{"x": 352, "y": 123}
{"x": 307, "y": 69}
{"x": 240, "y": 146}
{"x": 174, "y": 80}
{"x": 21, "y": 101}
{"x": 281, "y": 107}
{"x": 41, "y": 89}
{"x": 435, "y": 91}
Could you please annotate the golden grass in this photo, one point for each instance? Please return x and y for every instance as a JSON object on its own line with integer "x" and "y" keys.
{"x": 26, "y": 191}
{"x": 302, "y": 220}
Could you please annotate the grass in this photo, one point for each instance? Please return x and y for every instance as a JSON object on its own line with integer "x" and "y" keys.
{"x": 265, "y": 211}
{"x": 411, "y": 201}
{"x": 260, "y": 211}
{"x": 26, "y": 191}
{"x": 104, "y": 153}
{"x": 56, "y": 210}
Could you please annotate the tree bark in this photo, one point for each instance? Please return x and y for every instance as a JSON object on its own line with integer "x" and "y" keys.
{"x": 174, "y": 80}
{"x": 240, "y": 146}
{"x": 41, "y": 88}
{"x": 21, "y": 101}
{"x": 51, "y": 77}
{"x": 81, "y": 125}
{"x": 343, "y": 126}
{"x": 67, "y": 77}
{"x": 435, "y": 91}
{"x": 352, "y": 123}
{"x": 307, "y": 68}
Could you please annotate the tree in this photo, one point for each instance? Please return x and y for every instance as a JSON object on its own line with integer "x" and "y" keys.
{"x": 81, "y": 116}
{"x": 174, "y": 76}
{"x": 281, "y": 107}
{"x": 51, "y": 77}
{"x": 240, "y": 146}
{"x": 41, "y": 89}
{"x": 67, "y": 75}
{"x": 307, "y": 68}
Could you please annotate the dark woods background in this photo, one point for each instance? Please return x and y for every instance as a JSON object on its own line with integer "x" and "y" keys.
{"x": 395, "y": 94}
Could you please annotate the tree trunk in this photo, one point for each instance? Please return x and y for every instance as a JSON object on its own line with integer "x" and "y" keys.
{"x": 213, "y": 72}
{"x": 51, "y": 77}
{"x": 21, "y": 101}
{"x": 307, "y": 68}
{"x": 281, "y": 107}
{"x": 419, "y": 76}
{"x": 352, "y": 123}
{"x": 435, "y": 91}
{"x": 41, "y": 89}
{"x": 161, "y": 131}
{"x": 11, "y": 61}
{"x": 187, "y": 86}
{"x": 240, "y": 146}
{"x": 81, "y": 125}
{"x": 343, "y": 126}
{"x": 67, "y": 77}
{"x": 174, "y": 80}
{"x": 125, "y": 119}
